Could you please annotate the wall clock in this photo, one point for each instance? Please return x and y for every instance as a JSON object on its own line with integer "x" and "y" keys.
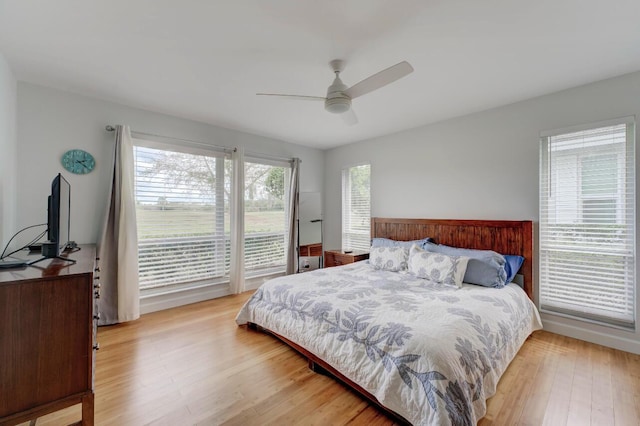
{"x": 78, "y": 161}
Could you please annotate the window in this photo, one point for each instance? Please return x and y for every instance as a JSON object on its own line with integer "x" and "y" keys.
{"x": 182, "y": 209}
{"x": 356, "y": 207}
{"x": 599, "y": 187}
{"x": 587, "y": 223}
{"x": 266, "y": 209}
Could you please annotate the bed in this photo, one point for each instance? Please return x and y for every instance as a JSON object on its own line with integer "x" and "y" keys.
{"x": 424, "y": 352}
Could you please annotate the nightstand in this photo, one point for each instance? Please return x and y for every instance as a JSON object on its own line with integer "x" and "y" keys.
{"x": 339, "y": 257}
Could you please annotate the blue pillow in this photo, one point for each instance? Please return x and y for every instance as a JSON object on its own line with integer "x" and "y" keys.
{"x": 512, "y": 265}
{"x": 485, "y": 267}
{"x": 386, "y": 242}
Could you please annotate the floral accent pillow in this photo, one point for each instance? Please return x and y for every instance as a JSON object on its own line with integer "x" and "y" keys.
{"x": 389, "y": 258}
{"x": 437, "y": 267}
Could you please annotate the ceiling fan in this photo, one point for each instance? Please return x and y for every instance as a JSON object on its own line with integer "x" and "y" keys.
{"x": 339, "y": 96}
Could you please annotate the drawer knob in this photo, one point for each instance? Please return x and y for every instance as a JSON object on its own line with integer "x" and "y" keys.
{"x": 96, "y": 316}
{"x": 97, "y": 285}
{"x": 97, "y": 294}
{"x": 96, "y": 347}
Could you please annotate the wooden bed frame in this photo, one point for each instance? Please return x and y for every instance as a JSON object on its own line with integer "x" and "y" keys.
{"x": 506, "y": 237}
{"x": 503, "y": 236}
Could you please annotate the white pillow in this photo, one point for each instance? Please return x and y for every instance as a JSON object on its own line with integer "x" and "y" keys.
{"x": 389, "y": 258}
{"x": 437, "y": 267}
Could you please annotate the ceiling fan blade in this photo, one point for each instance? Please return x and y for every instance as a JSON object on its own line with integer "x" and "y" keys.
{"x": 379, "y": 80}
{"x": 300, "y": 97}
{"x": 349, "y": 117}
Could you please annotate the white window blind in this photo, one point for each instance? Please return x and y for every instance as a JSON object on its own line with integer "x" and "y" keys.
{"x": 266, "y": 209}
{"x": 587, "y": 223}
{"x": 356, "y": 207}
{"x": 182, "y": 208}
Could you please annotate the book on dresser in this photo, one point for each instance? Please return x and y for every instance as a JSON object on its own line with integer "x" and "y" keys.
{"x": 47, "y": 337}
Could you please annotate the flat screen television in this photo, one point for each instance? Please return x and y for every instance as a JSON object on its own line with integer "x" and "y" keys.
{"x": 59, "y": 216}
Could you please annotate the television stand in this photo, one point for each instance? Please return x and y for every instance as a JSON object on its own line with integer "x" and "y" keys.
{"x": 47, "y": 339}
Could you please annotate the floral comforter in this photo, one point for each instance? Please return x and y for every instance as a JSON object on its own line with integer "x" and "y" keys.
{"x": 431, "y": 353}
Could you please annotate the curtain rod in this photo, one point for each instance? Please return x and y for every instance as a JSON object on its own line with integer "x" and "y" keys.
{"x": 110, "y": 128}
{"x": 270, "y": 157}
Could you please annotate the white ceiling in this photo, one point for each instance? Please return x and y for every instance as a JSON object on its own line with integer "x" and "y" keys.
{"x": 205, "y": 60}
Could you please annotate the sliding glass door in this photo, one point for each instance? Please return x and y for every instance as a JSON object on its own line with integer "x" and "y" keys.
{"x": 182, "y": 208}
{"x": 183, "y": 198}
{"x": 265, "y": 219}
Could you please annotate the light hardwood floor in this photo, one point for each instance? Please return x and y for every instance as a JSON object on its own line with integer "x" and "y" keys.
{"x": 193, "y": 365}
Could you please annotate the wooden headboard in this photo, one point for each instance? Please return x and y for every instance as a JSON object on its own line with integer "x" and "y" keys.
{"x": 503, "y": 236}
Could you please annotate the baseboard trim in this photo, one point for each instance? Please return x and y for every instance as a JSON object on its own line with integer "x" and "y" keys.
{"x": 255, "y": 282}
{"x": 609, "y": 339}
{"x": 160, "y": 302}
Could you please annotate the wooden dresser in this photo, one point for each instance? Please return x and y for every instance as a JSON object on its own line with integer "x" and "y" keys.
{"x": 47, "y": 337}
{"x": 339, "y": 257}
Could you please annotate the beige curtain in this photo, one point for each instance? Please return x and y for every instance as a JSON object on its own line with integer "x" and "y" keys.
{"x": 292, "y": 249}
{"x": 237, "y": 223}
{"x": 118, "y": 246}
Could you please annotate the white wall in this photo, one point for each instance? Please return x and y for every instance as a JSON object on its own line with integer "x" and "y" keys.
{"x": 480, "y": 166}
{"x": 52, "y": 121}
{"x": 8, "y": 152}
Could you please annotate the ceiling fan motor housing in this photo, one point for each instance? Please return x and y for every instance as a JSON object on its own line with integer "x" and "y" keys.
{"x": 337, "y": 101}
{"x": 337, "y": 105}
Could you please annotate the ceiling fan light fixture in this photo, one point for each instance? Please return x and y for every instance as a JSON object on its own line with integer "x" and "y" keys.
{"x": 337, "y": 105}
{"x": 339, "y": 96}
